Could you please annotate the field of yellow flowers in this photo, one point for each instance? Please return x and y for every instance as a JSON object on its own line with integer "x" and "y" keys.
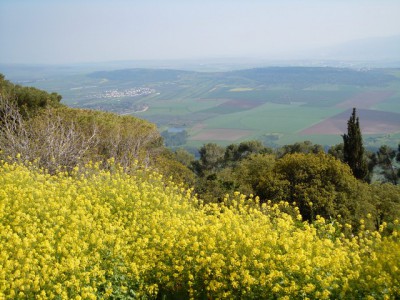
{"x": 105, "y": 234}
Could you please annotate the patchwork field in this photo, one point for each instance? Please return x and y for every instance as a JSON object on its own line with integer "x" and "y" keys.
{"x": 276, "y": 105}
{"x": 366, "y": 99}
{"x": 374, "y": 122}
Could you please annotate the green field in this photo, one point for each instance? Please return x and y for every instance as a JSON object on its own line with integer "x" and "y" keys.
{"x": 271, "y": 104}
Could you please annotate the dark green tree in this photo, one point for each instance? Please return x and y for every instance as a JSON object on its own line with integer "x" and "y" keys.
{"x": 302, "y": 147}
{"x": 321, "y": 185}
{"x": 337, "y": 151}
{"x": 29, "y": 100}
{"x": 211, "y": 159}
{"x": 353, "y": 149}
{"x": 398, "y": 160}
{"x": 236, "y": 152}
{"x": 184, "y": 157}
{"x": 398, "y": 154}
{"x": 385, "y": 157}
{"x": 174, "y": 139}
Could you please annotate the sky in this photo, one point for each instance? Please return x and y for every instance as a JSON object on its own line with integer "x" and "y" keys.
{"x": 78, "y": 31}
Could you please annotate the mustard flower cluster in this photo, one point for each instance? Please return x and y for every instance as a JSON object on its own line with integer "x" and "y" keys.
{"x": 105, "y": 234}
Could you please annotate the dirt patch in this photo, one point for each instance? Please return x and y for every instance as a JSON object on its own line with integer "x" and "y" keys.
{"x": 220, "y": 134}
{"x": 371, "y": 122}
{"x": 366, "y": 100}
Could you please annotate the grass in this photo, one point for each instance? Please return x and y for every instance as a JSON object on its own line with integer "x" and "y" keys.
{"x": 392, "y": 104}
{"x": 270, "y": 118}
{"x": 273, "y": 118}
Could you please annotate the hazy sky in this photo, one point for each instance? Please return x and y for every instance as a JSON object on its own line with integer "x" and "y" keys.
{"x": 72, "y": 31}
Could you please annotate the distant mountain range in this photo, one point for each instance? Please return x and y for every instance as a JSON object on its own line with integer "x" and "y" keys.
{"x": 294, "y": 76}
{"x": 371, "y": 49}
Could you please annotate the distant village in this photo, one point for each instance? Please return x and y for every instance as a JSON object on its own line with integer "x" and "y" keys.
{"x": 133, "y": 92}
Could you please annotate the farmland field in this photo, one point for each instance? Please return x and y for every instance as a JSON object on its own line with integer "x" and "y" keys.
{"x": 277, "y": 105}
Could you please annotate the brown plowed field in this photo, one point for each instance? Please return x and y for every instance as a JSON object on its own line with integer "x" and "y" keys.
{"x": 366, "y": 100}
{"x": 371, "y": 122}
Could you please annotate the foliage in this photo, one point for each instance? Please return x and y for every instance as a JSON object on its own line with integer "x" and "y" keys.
{"x": 337, "y": 151}
{"x": 123, "y": 138}
{"x": 386, "y": 200}
{"x": 319, "y": 183}
{"x": 174, "y": 139}
{"x": 211, "y": 159}
{"x": 322, "y": 185}
{"x": 63, "y": 138}
{"x": 256, "y": 175}
{"x": 29, "y": 100}
{"x": 386, "y": 157}
{"x": 141, "y": 236}
{"x": 167, "y": 164}
{"x": 216, "y": 167}
{"x": 300, "y": 147}
{"x": 184, "y": 157}
{"x": 353, "y": 149}
{"x": 48, "y": 139}
{"x": 237, "y": 152}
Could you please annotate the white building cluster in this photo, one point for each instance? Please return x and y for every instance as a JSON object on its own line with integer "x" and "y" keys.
{"x": 133, "y": 92}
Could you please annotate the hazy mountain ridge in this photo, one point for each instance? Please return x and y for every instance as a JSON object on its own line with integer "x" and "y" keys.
{"x": 371, "y": 49}
{"x": 262, "y": 75}
{"x": 141, "y": 75}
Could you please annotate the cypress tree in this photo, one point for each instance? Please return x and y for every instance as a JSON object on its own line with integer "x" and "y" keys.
{"x": 353, "y": 149}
